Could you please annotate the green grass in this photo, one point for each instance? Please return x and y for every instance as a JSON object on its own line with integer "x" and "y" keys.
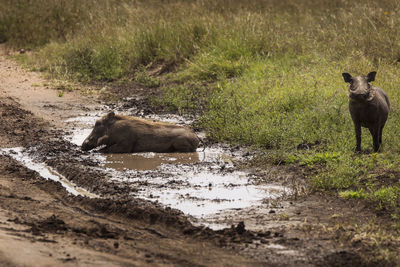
{"x": 265, "y": 74}
{"x": 349, "y": 194}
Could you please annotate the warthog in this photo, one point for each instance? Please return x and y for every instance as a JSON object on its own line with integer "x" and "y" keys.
{"x": 125, "y": 134}
{"x": 369, "y": 107}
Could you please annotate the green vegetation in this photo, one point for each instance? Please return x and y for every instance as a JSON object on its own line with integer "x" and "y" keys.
{"x": 349, "y": 194}
{"x": 265, "y": 74}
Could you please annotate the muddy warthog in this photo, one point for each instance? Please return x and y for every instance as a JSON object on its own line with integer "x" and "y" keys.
{"x": 125, "y": 134}
{"x": 369, "y": 107}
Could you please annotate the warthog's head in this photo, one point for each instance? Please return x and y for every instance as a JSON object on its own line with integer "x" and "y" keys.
{"x": 98, "y": 136}
{"x": 359, "y": 88}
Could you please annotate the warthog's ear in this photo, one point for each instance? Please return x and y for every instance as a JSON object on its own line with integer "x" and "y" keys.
{"x": 111, "y": 115}
{"x": 371, "y": 76}
{"x": 347, "y": 77}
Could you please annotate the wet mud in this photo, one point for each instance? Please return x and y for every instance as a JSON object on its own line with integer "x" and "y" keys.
{"x": 44, "y": 171}
{"x": 203, "y": 184}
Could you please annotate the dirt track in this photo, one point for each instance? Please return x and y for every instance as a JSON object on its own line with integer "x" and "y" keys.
{"x": 42, "y": 225}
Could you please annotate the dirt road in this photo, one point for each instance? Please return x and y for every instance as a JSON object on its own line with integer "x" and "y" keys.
{"x": 41, "y": 224}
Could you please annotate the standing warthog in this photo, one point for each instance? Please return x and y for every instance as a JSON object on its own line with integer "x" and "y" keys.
{"x": 369, "y": 107}
{"x": 125, "y": 134}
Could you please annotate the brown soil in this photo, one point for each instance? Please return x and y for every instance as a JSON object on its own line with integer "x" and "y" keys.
{"x": 42, "y": 225}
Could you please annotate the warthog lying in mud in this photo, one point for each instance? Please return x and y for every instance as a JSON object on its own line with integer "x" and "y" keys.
{"x": 369, "y": 107}
{"x": 125, "y": 134}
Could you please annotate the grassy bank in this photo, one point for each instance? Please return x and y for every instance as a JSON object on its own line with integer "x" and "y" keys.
{"x": 267, "y": 73}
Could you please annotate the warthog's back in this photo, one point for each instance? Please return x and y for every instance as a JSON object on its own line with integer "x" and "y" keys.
{"x": 155, "y": 136}
{"x": 383, "y": 99}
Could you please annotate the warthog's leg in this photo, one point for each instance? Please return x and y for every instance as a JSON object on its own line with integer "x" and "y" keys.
{"x": 122, "y": 147}
{"x": 380, "y": 134}
{"x": 102, "y": 140}
{"x": 375, "y": 132}
{"x": 182, "y": 144}
{"x": 357, "y": 128}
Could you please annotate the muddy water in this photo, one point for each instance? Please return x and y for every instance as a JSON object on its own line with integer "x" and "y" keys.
{"x": 199, "y": 184}
{"x": 146, "y": 161}
{"x": 204, "y": 184}
{"x": 208, "y": 193}
{"x": 45, "y": 171}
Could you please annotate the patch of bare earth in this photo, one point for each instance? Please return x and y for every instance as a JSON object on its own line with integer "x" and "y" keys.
{"x": 42, "y": 225}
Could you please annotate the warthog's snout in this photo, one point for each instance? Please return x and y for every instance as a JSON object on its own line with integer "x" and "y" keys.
{"x": 369, "y": 107}
{"x": 85, "y": 145}
{"x": 363, "y": 96}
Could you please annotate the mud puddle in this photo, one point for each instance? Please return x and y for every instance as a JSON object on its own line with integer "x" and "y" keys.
{"x": 146, "y": 161}
{"x": 204, "y": 184}
{"x": 45, "y": 171}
